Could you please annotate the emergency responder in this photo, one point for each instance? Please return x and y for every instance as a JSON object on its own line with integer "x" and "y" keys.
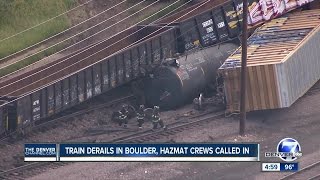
{"x": 123, "y": 116}
{"x": 156, "y": 118}
{"x": 140, "y": 116}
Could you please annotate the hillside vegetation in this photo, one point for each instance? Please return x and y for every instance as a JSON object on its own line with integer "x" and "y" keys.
{"x": 18, "y": 15}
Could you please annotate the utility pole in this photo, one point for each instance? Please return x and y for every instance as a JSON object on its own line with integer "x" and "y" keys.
{"x": 242, "y": 124}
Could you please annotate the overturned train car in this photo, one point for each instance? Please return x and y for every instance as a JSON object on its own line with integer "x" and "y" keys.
{"x": 183, "y": 78}
{"x": 75, "y": 81}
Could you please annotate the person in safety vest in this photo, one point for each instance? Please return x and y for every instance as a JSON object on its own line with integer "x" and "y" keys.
{"x": 123, "y": 116}
{"x": 140, "y": 116}
{"x": 156, "y": 118}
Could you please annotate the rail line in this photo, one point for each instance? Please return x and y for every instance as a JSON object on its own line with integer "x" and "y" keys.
{"x": 146, "y": 136}
{"x": 307, "y": 172}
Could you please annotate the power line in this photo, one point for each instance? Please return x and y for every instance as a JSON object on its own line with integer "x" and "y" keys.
{"x": 58, "y": 35}
{"x": 28, "y": 29}
{"x": 46, "y": 85}
{"x": 83, "y": 39}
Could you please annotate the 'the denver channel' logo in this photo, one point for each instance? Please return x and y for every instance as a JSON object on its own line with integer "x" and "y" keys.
{"x": 288, "y": 150}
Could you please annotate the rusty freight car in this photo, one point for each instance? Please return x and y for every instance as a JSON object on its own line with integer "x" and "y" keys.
{"x": 283, "y": 63}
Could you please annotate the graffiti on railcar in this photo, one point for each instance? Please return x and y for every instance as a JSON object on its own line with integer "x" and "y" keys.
{"x": 255, "y": 12}
{"x": 239, "y": 9}
{"x": 97, "y": 84}
{"x": 36, "y": 108}
{"x": 232, "y": 19}
{"x": 290, "y": 4}
{"x": 96, "y": 79}
{"x": 263, "y": 10}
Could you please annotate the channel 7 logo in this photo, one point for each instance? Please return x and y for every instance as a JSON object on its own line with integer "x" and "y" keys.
{"x": 288, "y": 150}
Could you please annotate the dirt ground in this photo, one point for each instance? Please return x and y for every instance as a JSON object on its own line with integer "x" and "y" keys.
{"x": 301, "y": 121}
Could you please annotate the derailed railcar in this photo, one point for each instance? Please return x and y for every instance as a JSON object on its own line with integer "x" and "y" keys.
{"x": 173, "y": 85}
{"x": 118, "y": 62}
{"x": 207, "y": 26}
{"x": 116, "y": 69}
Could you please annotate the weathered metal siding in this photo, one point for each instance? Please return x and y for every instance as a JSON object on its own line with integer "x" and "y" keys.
{"x": 149, "y": 53}
{"x": 142, "y": 56}
{"x": 190, "y": 34}
{"x": 283, "y": 63}
{"x": 117, "y": 70}
{"x": 44, "y": 103}
{"x": 97, "y": 79}
{"x": 58, "y": 96}
{"x": 24, "y": 111}
{"x": 105, "y": 75}
{"x": 135, "y": 61}
{"x": 81, "y": 87}
{"x": 231, "y": 19}
{"x": 168, "y": 44}
{"x": 238, "y": 4}
{"x": 300, "y": 71}
{"x": 50, "y": 100}
{"x": 73, "y": 90}
{"x": 156, "y": 50}
{"x": 127, "y": 66}
{"x": 65, "y": 93}
{"x": 220, "y": 24}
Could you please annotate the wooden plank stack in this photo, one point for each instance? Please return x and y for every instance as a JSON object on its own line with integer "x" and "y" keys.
{"x": 283, "y": 63}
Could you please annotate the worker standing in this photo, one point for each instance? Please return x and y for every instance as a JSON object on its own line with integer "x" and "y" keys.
{"x": 156, "y": 118}
{"x": 123, "y": 116}
{"x": 140, "y": 116}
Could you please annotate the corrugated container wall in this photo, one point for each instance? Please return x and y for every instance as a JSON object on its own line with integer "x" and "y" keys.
{"x": 283, "y": 63}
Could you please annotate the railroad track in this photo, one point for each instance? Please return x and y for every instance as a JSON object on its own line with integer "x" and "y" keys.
{"x": 311, "y": 172}
{"x": 34, "y": 168}
{"x": 45, "y": 125}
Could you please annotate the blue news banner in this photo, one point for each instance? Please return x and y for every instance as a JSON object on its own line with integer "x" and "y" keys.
{"x": 142, "y": 152}
{"x": 282, "y": 167}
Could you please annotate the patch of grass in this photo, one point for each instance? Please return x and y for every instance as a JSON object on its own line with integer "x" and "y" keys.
{"x": 18, "y": 15}
{"x": 30, "y": 60}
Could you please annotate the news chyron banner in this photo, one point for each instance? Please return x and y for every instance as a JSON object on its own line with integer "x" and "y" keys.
{"x": 141, "y": 152}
